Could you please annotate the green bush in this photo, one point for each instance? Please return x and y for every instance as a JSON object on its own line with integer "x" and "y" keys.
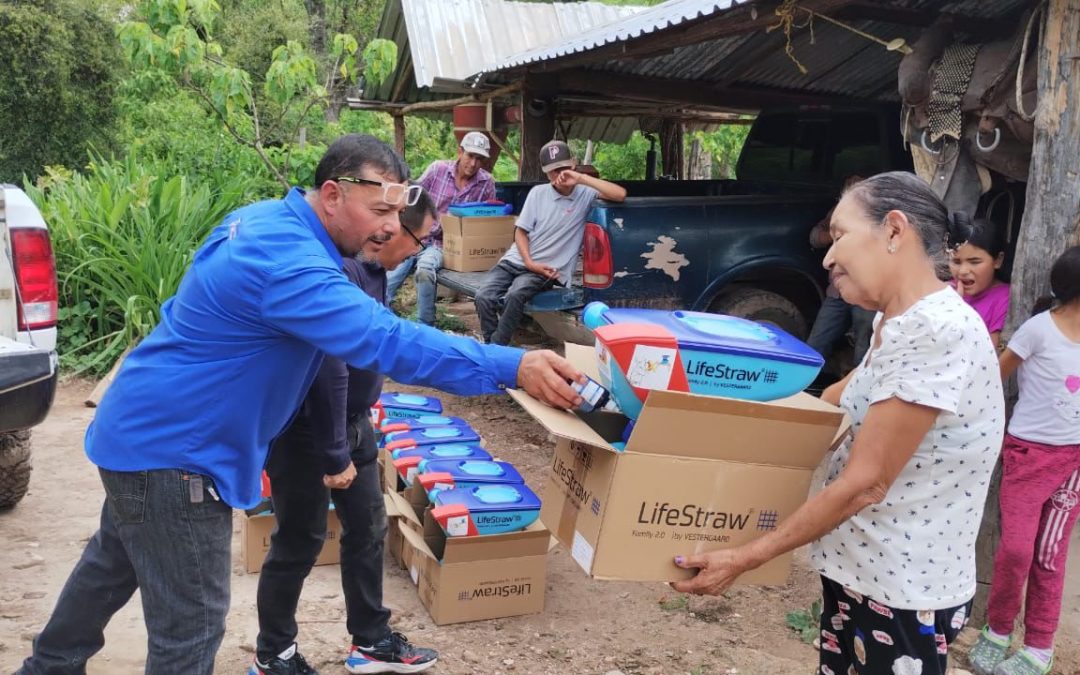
{"x": 124, "y": 233}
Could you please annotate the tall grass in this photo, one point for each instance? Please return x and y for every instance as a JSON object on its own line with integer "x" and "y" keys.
{"x": 124, "y": 233}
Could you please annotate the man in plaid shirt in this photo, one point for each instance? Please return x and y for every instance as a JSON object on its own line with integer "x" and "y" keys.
{"x": 448, "y": 182}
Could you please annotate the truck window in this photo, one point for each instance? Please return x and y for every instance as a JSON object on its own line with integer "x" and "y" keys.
{"x": 784, "y": 147}
{"x": 858, "y": 146}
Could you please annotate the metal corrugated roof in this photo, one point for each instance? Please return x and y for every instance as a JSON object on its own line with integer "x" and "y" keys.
{"x": 663, "y": 16}
{"x": 839, "y": 63}
{"x": 453, "y": 39}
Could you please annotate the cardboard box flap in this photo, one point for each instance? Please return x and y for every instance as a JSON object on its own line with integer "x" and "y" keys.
{"x": 583, "y": 358}
{"x": 392, "y": 510}
{"x": 401, "y": 507}
{"x": 559, "y": 422}
{"x": 416, "y": 540}
{"x": 477, "y": 225}
{"x": 710, "y": 427}
{"x": 533, "y": 540}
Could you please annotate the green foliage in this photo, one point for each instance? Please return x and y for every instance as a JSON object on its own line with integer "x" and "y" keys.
{"x": 124, "y": 234}
{"x": 723, "y": 146}
{"x": 806, "y": 622}
{"x": 380, "y": 60}
{"x": 61, "y": 66}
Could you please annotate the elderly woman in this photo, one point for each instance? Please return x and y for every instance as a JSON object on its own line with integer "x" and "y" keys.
{"x": 894, "y": 527}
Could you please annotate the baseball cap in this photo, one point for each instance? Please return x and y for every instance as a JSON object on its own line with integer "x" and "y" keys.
{"x": 476, "y": 143}
{"x": 555, "y": 155}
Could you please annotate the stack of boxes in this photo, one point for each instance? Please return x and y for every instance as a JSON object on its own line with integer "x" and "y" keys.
{"x": 463, "y": 524}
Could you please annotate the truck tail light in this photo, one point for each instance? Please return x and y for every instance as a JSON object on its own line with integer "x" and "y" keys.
{"x": 35, "y": 277}
{"x": 598, "y": 268}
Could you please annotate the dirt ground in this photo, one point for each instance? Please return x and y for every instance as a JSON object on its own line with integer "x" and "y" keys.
{"x": 587, "y": 626}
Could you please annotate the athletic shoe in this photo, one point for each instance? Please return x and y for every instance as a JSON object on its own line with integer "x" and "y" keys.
{"x": 295, "y": 664}
{"x": 392, "y": 654}
{"x": 1023, "y": 663}
{"x": 987, "y": 653}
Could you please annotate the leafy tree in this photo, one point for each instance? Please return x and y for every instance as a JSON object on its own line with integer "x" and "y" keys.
{"x": 177, "y": 37}
{"x": 58, "y": 81}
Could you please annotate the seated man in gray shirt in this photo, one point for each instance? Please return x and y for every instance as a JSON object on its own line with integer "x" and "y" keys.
{"x": 547, "y": 241}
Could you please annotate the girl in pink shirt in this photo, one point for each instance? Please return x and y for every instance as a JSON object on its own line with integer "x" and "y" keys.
{"x": 975, "y": 267}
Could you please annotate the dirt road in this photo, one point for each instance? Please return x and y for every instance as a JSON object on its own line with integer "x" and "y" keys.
{"x": 587, "y": 627}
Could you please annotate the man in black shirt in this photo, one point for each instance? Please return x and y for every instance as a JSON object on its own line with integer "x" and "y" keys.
{"x": 333, "y": 428}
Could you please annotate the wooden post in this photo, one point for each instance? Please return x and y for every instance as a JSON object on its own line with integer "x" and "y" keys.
{"x": 671, "y": 148}
{"x": 399, "y": 134}
{"x": 537, "y": 123}
{"x": 1051, "y": 216}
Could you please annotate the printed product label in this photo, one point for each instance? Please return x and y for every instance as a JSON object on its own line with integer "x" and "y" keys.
{"x": 582, "y": 552}
{"x": 457, "y": 526}
{"x": 650, "y": 367}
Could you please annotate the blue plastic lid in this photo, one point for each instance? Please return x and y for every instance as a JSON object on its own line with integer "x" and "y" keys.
{"x": 409, "y": 399}
{"x": 497, "y": 494}
{"x": 475, "y": 469}
{"x": 441, "y": 432}
{"x": 433, "y": 420}
{"x": 452, "y": 451}
{"x": 482, "y": 468}
{"x": 495, "y": 497}
{"x": 721, "y": 334}
{"x": 444, "y": 452}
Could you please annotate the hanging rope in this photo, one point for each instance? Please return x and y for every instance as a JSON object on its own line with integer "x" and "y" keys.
{"x": 1023, "y": 59}
{"x": 786, "y": 14}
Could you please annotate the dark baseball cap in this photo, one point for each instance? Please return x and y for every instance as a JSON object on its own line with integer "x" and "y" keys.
{"x": 555, "y": 155}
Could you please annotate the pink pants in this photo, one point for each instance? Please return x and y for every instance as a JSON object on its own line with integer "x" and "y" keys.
{"x": 1040, "y": 493}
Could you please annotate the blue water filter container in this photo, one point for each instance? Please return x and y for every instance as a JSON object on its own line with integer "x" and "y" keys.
{"x": 721, "y": 355}
{"x": 452, "y": 451}
{"x": 429, "y": 436}
{"x": 396, "y": 404}
{"x": 489, "y": 509}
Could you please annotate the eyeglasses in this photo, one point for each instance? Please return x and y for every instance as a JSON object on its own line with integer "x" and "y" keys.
{"x": 393, "y": 193}
{"x": 420, "y": 246}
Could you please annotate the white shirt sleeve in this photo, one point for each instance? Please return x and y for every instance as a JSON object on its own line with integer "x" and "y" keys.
{"x": 922, "y": 360}
{"x": 1027, "y": 339}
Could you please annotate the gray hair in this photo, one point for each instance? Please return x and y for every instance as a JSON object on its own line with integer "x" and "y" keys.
{"x": 939, "y": 230}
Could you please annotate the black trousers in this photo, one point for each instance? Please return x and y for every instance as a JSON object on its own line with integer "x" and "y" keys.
{"x": 301, "y": 502}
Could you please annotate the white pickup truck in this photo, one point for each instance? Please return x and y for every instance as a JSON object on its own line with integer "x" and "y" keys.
{"x": 28, "y": 363}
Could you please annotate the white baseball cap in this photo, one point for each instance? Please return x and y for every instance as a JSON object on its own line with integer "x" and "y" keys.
{"x": 476, "y": 143}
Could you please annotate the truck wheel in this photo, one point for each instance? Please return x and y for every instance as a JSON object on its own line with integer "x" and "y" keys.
{"x": 763, "y": 306}
{"x": 15, "y": 467}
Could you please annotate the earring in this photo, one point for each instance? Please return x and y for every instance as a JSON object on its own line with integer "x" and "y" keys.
{"x": 891, "y": 248}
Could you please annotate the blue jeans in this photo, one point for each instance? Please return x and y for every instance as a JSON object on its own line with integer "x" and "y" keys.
{"x": 833, "y": 321}
{"x": 164, "y": 535}
{"x": 427, "y": 263}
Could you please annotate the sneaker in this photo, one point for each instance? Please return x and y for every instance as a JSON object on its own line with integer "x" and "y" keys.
{"x": 1022, "y": 663}
{"x": 392, "y": 654}
{"x": 295, "y": 664}
{"x": 987, "y": 653}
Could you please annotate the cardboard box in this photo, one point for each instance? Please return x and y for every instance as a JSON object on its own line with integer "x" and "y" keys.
{"x": 475, "y": 244}
{"x": 699, "y": 473}
{"x": 255, "y": 540}
{"x": 473, "y": 578}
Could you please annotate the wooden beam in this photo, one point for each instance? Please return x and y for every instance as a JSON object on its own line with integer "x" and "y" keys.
{"x": 685, "y": 92}
{"x": 448, "y": 103}
{"x": 1051, "y": 220}
{"x": 537, "y": 122}
{"x": 399, "y": 134}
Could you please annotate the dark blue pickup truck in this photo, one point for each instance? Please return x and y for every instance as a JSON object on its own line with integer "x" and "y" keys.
{"x": 737, "y": 247}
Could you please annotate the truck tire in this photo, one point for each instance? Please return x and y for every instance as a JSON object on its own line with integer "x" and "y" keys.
{"x": 15, "y": 466}
{"x": 763, "y": 306}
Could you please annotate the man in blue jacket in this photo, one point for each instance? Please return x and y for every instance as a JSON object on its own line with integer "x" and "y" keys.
{"x": 333, "y": 428}
{"x": 181, "y": 436}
